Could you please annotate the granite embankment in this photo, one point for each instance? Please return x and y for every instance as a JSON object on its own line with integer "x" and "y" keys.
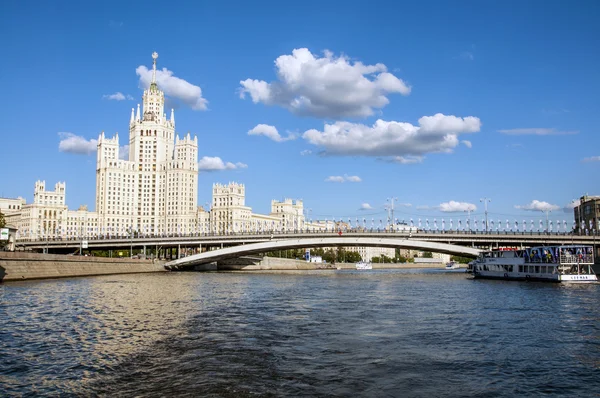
{"x": 23, "y": 266}
{"x": 282, "y": 264}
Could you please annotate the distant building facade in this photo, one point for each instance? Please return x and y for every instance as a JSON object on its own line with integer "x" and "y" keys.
{"x": 587, "y": 215}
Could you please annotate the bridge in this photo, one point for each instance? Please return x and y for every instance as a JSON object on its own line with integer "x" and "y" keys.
{"x": 174, "y": 246}
{"x": 328, "y": 241}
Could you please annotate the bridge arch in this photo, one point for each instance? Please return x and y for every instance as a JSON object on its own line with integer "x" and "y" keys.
{"x": 283, "y": 244}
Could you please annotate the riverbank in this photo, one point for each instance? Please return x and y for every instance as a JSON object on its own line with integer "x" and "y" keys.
{"x": 25, "y": 266}
{"x": 286, "y": 264}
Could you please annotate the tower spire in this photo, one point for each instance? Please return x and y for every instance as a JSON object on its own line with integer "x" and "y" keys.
{"x": 154, "y": 56}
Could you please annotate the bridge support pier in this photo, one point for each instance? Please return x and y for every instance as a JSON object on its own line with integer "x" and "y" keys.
{"x": 178, "y": 251}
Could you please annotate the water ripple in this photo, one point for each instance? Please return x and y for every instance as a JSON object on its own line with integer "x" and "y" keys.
{"x": 382, "y": 333}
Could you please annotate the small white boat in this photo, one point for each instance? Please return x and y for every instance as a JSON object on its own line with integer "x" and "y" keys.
{"x": 452, "y": 265}
{"x": 363, "y": 265}
{"x": 569, "y": 263}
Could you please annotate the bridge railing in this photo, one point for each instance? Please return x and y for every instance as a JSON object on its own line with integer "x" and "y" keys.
{"x": 275, "y": 233}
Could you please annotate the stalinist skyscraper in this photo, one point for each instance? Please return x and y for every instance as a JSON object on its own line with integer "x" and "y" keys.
{"x": 154, "y": 191}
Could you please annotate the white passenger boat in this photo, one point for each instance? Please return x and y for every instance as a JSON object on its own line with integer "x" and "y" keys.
{"x": 572, "y": 263}
{"x": 452, "y": 265}
{"x": 363, "y": 265}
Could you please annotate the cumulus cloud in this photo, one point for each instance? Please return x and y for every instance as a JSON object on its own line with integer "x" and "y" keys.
{"x": 270, "y": 132}
{"x": 174, "y": 87}
{"x": 327, "y": 86}
{"x": 408, "y": 143}
{"x": 537, "y": 205}
{"x": 453, "y": 207}
{"x": 365, "y": 206}
{"x": 71, "y": 143}
{"x": 208, "y": 163}
{"x": 344, "y": 178}
{"x": 591, "y": 159}
{"x": 466, "y": 143}
{"x": 306, "y": 152}
{"x": 536, "y": 131}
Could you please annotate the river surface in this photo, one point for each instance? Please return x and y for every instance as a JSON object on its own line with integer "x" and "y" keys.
{"x": 380, "y": 333}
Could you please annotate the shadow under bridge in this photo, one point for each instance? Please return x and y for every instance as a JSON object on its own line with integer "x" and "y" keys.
{"x": 305, "y": 243}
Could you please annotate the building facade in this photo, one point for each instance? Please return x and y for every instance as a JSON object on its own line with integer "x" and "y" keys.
{"x": 587, "y": 215}
{"x": 154, "y": 191}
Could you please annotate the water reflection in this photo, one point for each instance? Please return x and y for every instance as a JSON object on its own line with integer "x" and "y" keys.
{"x": 326, "y": 333}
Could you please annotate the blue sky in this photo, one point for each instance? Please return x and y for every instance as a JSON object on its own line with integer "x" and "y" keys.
{"x": 437, "y": 104}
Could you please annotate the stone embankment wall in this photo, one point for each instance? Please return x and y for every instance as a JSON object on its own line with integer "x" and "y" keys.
{"x": 23, "y": 266}
{"x": 286, "y": 264}
{"x": 266, "y": 263}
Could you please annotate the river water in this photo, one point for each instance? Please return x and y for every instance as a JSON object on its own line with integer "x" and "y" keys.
{"x": 380, "y": 333}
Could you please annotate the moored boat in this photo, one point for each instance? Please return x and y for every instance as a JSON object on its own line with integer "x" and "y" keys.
{"x": 363, "y": 265}
{"x": 452, "y": 265}
{"x": 569, "y": 263}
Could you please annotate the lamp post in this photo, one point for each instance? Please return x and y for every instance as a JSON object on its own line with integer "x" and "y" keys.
{"x": 485, "y": 202}
{"x": 392, "y": 200}
{"x": 468, "y": 211}
{"x": 131, "y": 241}
{"x": 547, "y": 213}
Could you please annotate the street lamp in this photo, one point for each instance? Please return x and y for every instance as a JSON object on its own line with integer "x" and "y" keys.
{"x": 468, "y": 211}
{"x": 485, "y": 202}
{"x": 392, "y": 200}
{"x": 547, "y": 213}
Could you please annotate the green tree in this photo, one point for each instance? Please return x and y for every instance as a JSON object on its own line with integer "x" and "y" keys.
{"x": 352, "y": 257}
{"x": 461, "y": 260}
{"x": 427, "y": 255}
{"x": 2, "y": 220}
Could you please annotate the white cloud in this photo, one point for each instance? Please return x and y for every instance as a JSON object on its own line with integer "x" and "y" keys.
{"x": 174, "y": 87}
{"x": 452, "y": 207}
{"x": 118, "y": 96}
{"x": 365, "y": 206}
{"x": 327, "y": 86}
{"x": 404, "y": 204}
{"x": 344, "y": 178}
{"x": 208, "y": 163}
{"x": 335, "y": 179}
{"x": 270, "y": 132}
{"x": 124, "y": 152}
{"x": 438, "y": 133}
{"x": 353, "y": 179}
{"x": 536, "y": 205}
{"x": 536, "y": 131}
{"x": 306, "y": 152}
{"x": 591, "y": 159}
{"x": 408, "y": 159}
{"x": 468, "y": 144}
{"x": 72, "y": 143}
